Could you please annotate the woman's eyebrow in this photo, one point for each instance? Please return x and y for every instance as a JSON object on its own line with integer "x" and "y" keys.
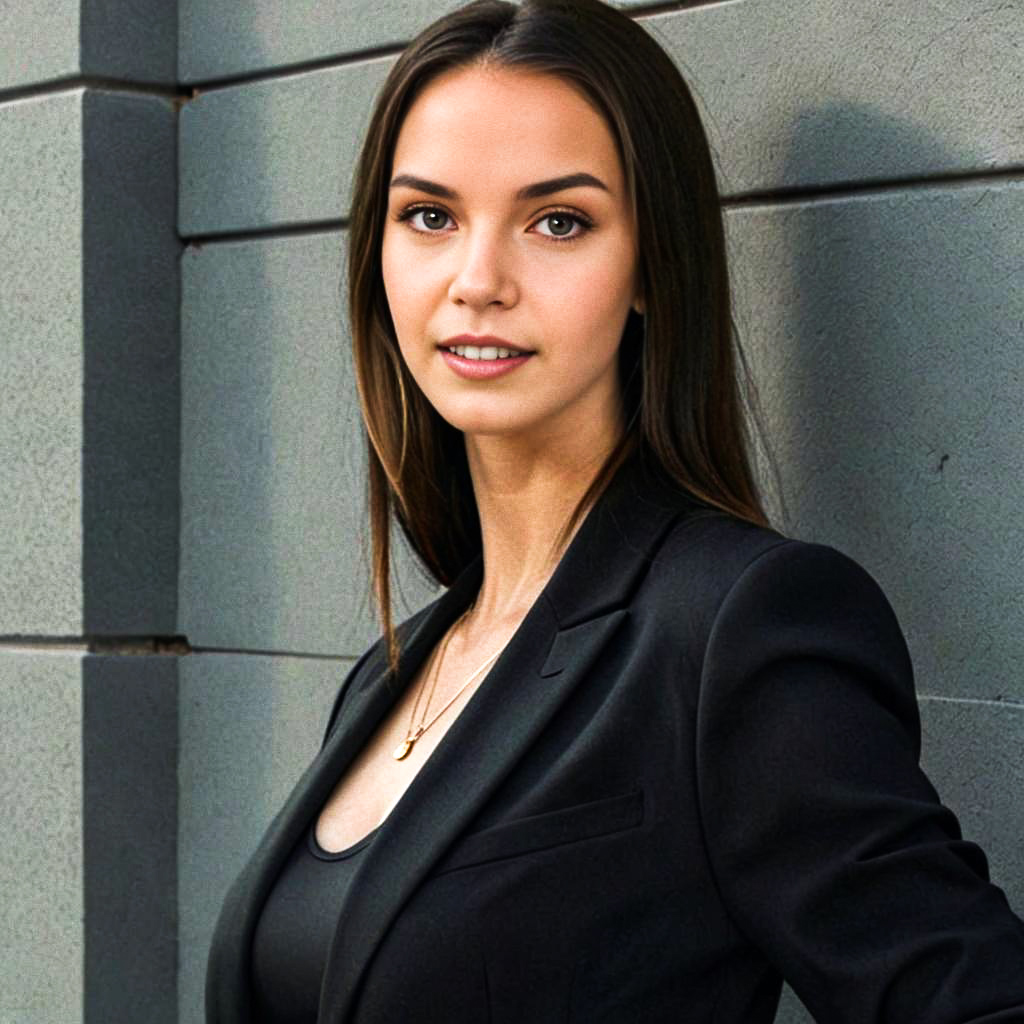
{"x": 534, "y": 191}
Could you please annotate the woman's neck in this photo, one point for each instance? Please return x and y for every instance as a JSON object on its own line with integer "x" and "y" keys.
{"x": 524, "y": 499}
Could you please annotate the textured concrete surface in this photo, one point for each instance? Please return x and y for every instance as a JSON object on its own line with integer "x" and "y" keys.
{"x": 972, "y": 751}
{"x": 249, "y": 726}
{"x": 885, "y": 332}
{"x": 130, "y": 795}
{"x": 845, "y": 92}
{"x": 130, "y": 450}
{"x": 88, "y": 797}
{"x": 275, "y": 153}
{"x": 791, "y": 1010}
{"x": 41, "y": 402}
{"x": 41, "y": 806}
{"x": 131, "y": 40}
{"x": 273, "y": 522}
{"x": 39, "y": 42}
{"x": 219, "y": 40}
{"x": 48, "y": 40}
{"x": 89, "y": 397}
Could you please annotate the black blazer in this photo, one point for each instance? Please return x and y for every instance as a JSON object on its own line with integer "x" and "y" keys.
{"x": 692, "y": 772}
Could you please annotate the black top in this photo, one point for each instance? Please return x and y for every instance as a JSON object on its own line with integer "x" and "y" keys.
{"x": 294, "y": 933}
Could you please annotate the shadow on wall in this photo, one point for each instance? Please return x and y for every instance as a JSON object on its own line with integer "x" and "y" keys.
{"x": 889, "y": 363}
{"x": 899, "y": 403}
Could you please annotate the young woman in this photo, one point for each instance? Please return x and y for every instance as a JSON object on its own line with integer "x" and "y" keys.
{"x": 645, "y": 757}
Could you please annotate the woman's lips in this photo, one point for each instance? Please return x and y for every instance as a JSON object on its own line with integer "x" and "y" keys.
{"x": 482, "y": 369}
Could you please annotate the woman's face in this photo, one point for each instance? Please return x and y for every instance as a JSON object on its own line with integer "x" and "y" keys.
{"x": 470, "y": 248}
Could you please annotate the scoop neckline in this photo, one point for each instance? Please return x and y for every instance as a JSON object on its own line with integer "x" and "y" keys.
{"x": 321, "y": 854}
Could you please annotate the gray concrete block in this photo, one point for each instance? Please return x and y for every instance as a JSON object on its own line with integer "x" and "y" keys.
{"x": 249, "y": 725}
{"x": 50, "y": 40}
{"x": 88, "y": 796}
{"x": 844, "y": 93}
{"x": 275, "y": 153}
{"x": 791, "y": 1010}
{"x": 41, "y": 395}
{"x": 129, "y": 838}
{"x": 972, "y": 752}
{"x": 41, "y": 872}
{"x": 130, "y": 451}
{"x": 131, "y": 40}
{"x": 885, "y": 334}
{"x": 219, "y": 40}
{"x": 89, "y": 398}
{"x": 274, "y": 539}
{"x": 39, "y": 43}
{"x": 852, "y": 92}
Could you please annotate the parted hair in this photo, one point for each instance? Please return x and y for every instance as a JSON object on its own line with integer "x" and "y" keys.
{"x": 684, "y": 384}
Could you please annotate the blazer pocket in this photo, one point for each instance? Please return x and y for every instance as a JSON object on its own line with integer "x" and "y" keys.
{"x": 543, "y": 831}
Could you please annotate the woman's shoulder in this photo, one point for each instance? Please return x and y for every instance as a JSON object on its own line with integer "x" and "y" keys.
{"x": 715, "y": 562}
{"x": 715, "y": 544}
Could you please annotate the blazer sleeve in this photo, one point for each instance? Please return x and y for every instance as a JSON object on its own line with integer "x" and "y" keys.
{"x": 829, "y": 846}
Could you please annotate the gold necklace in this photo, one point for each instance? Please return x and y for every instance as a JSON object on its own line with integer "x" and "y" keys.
{"x": 414, "y": 733}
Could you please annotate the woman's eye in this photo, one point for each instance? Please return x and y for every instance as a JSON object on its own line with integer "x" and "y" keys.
{"x": 561, "y": 225}
{"x": 433, "y": 218}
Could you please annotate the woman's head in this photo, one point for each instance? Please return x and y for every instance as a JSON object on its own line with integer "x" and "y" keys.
{"x": 676, "y": 379}
{"x": 515, "y": 229}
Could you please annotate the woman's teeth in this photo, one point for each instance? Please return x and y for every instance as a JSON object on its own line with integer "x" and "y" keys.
{"x": 490, "y": 352}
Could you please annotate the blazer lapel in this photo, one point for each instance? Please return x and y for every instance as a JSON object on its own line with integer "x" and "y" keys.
{"x": 577, "y": 614}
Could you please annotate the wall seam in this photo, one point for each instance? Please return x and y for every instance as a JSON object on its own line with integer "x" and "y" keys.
{"x": 270, "y": 653}
{"x": 897, "y": 186}
{"x": 298, "y": 69}
{"x": 104, "y": 645}
{"x": 992, "y": 701}
{"x": 650, "y": 10}
{"x": 71, "y": 83}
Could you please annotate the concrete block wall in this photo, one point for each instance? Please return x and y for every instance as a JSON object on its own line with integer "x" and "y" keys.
{"x": 179, "y": 435}
{"x": 59, "y": 42}
{"x": 88, "y": 513}
{"x": 88, "y": 866}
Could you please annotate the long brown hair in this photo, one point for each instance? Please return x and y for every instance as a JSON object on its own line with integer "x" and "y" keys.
{"x": 680, "y": 368}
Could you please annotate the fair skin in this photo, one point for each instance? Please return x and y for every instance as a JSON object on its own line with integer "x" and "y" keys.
{"x": 484, "y": 261}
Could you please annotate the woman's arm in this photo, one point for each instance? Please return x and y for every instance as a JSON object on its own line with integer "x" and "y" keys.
{"x": 828, "y": 843}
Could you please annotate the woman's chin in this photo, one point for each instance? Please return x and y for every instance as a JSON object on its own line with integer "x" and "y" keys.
{"x": 489, "y": 422}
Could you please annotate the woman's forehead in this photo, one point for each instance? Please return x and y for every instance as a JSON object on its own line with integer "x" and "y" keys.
{"x": 516, "y": 127}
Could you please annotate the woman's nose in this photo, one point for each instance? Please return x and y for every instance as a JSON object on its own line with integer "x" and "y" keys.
{"x": 483, "y": 274}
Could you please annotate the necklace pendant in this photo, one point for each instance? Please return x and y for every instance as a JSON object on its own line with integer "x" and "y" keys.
{"x": 403, "y": 748}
